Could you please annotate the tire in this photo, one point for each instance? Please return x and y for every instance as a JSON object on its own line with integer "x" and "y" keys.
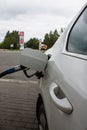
{"x": 42, "y": 120}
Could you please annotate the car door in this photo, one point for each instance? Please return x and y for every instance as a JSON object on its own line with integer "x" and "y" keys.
{"x": 65, "y": 70}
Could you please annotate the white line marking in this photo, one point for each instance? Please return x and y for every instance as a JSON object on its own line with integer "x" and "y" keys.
{"x": 18, "y": 81}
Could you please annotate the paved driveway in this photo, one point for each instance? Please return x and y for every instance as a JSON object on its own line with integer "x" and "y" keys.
{"x": 17, "y": 97}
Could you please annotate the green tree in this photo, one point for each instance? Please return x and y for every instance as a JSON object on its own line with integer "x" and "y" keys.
{"x": 50, "y": 38}
{"x": 2, "y": 46}
{"x": 11, "y": 38}
{"x": 33, "y": 43}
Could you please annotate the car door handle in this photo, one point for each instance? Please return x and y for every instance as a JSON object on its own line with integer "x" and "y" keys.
{"x": 60, "y": 100}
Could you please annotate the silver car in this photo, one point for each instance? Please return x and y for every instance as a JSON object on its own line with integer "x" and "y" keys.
{"x": 62, "y": 99}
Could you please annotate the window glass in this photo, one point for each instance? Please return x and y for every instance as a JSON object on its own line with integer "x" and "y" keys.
{"x": 77, "y": 42}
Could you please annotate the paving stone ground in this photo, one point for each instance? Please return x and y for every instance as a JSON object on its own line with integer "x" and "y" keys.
{"x": 18, "y": 96}
{"x": 17, "y": 105}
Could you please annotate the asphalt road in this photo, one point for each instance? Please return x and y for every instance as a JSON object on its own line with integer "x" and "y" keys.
{"x": 18, "y": 96}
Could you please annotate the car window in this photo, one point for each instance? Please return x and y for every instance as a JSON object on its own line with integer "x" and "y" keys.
{"x": 77, "y": 42}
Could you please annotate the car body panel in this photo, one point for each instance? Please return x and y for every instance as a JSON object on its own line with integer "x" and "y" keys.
{"x": 69, "y": 72}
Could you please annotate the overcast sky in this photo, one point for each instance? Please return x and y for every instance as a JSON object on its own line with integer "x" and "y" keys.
{"x": 36, "y": 17}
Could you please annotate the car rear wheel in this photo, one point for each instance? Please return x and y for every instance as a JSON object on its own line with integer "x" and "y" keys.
{"x": 42, "y": 120}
